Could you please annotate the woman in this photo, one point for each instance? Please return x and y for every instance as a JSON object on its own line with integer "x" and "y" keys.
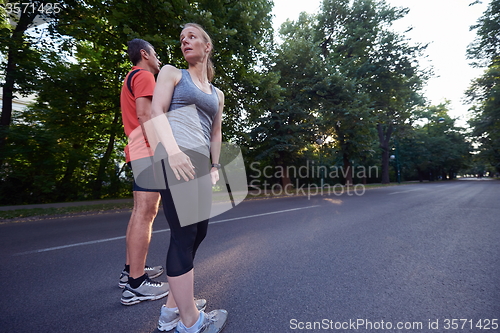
{"x": 191, "y": 135}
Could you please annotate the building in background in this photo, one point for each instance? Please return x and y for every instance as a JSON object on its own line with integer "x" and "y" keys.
{"x": 18, "y": 104}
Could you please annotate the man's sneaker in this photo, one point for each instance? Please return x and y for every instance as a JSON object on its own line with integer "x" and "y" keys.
{"x": 153, "y": 272}
{"x": 149, "y": 290}
{"x": 168, "y": 319}
{"x": 213, "y": 322}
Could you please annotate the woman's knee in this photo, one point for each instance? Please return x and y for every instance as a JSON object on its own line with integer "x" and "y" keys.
{"x": 186, "y": 236}
{"x": 201, "y": 231}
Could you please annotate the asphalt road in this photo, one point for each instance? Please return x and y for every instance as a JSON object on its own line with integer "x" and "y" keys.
{"x": 409, "y": 258}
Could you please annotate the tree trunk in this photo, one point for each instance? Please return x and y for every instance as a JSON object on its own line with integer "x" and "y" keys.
{"x": 285, "y": 178}
{"x": 347, "y": 169}
{"x": 7, "y": 97}
{"x": 384, "y": 139}
{"x": 66, "y": 189}
{"x": 13, "y": 55}
{"x": 97, "y": 188}
{"x": 420, "y": 175}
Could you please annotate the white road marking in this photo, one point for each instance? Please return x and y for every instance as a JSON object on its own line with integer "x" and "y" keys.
{"x": 157, "y": 231}
{"x": 417, "y": 189}
{"x": 263, "y": 214}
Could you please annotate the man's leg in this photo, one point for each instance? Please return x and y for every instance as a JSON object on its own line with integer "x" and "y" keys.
{"x": 139, "y": 230}
{"x": 140, "y": 287}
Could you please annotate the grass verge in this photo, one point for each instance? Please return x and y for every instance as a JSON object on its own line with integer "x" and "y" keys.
{"x": 9, "y": 215}
{"x": 43, "y": 212}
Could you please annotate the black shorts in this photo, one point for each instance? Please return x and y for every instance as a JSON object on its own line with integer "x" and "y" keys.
{"x": 142, "y": 189}
{"x": 138, "y": 188}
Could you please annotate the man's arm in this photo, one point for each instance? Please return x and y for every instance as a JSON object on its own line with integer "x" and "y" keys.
{"x": 143, "y": 110}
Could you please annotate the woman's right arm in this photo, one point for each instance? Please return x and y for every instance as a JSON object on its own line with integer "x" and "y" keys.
{"x": 180, "y": 163}
{"x": 167, "y": 79}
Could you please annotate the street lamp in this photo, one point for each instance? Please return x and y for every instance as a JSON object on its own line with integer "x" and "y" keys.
{"x": 392, "y": 157}
{"x": 440, "y": 120}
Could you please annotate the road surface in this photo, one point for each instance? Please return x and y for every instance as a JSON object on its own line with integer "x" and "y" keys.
{"x": 408, "y": 258}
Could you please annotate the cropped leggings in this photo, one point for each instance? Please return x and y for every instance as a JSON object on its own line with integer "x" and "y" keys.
{"x": 187, "y": 208}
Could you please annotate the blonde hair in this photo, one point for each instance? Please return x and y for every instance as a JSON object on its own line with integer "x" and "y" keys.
{"x": 207, "y": 39}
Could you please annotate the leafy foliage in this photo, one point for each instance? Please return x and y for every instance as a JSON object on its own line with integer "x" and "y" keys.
{"x": 80, "y": 74}
{"x": 484, "y": 92}
{"x": 336, "y": 89}
{"x": 342, "y": 71}
{"x": 437, "y": 149}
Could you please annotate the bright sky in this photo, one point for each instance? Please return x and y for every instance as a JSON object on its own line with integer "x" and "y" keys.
{"x": 442, "y": 23}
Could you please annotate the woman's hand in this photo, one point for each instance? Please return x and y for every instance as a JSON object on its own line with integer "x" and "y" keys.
{"x": 181, "y": 165}
{"x": 214, "y": 174}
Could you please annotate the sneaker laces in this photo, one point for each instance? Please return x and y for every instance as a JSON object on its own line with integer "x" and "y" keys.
{"x": 209, "y": 318}
{"x": 152, "y": 283}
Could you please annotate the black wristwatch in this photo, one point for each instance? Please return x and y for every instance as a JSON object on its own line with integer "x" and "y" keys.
{"x": 216, "y": 165}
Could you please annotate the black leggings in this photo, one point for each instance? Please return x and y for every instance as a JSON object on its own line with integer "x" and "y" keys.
{"x": 196, "y": 203}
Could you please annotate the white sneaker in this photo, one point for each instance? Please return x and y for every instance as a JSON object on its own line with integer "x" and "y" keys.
{"x": 149, "y": 290}
{"x": 169, "y": 319}
{"x": 213, "y": 322}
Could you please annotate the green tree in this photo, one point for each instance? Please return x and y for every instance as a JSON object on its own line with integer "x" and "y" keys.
{"x": 342, "y": 71}
{"x": 485, "y": 49}
{"x": 287, "y": 126}
{"x": 435, "y": 149}
{"x": 395, "y": 90}
{"x": 346, "y": 32}
{"x": 484, "y": 92}
{"x": 485, "y": 120}
{"x": 21, "y": 54}
{"x": 381, "y": 66}
{"x": 78, "y": 98}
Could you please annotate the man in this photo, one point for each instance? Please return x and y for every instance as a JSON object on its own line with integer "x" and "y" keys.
{"x": 135, "y": 100}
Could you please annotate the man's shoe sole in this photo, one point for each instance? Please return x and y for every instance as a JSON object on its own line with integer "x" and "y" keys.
{"x": 225, "y": 322}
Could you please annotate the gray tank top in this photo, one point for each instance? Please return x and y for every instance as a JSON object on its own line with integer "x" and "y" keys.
{"x": 191, "y": 115}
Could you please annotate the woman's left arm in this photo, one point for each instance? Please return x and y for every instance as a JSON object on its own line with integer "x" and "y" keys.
{"x": 216, "y": 138}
